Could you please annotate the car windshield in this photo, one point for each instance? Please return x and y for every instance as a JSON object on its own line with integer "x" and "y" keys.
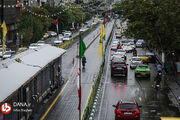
{"x": 136, "y": 59}
{"x": 127, "y": 106}
{"x": 7, "y": 53}
{"x": 119, "y": 64}
{"x": 66, "y": 36}
{"x": 40, "y": 42}
{"x": 117, "y": 60}
{"x": 143, "y": 67}
{"x": 125, "y": 44}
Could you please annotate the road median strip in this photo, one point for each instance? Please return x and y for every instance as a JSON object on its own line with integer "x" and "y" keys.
{"x": 94, "y": 92}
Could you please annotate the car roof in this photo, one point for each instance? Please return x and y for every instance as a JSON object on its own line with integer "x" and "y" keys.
{"x": 127, "y": 101}
{"x": 118, "y": 59}
{"x": 136, "y": 57}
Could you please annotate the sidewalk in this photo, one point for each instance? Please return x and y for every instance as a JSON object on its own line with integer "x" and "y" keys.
{"x": 172, "y": 82}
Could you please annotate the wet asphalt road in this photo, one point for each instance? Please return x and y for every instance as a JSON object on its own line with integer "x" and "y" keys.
{"x": 66, "y": 106}
{"x": 154, "y": 104}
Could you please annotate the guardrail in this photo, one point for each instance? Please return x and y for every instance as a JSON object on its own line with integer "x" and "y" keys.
{"x": 92, "y": 102}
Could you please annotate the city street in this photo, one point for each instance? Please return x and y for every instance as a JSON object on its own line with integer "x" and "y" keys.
{"x": 89, "y": 60}
{"x": 154, "y": 103}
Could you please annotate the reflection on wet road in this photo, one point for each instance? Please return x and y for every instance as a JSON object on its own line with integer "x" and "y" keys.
{"x": 154, "y": 103}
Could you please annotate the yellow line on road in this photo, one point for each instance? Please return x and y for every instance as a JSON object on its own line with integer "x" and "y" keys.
{"x": 54, "y": 101}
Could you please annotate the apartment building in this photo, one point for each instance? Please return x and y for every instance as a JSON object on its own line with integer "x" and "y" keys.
{"x": 10, "y": 16}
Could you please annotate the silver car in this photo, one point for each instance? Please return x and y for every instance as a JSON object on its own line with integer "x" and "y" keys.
{"x": 134, "y": 61}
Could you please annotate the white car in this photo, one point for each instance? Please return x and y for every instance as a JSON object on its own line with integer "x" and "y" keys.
{"x": 40, "y": 43}
{"x": 139, "y": 43}
{"x": 33, "y": 46}
{"x": 60, "y": 37}
{"x": 127, "y": 47}
{"x": 118, "y": 35}
{"x": 58, "y": 42}
{"x": 132, "y": 44}
{"x": 6, "y": 50}
{"x": 121, "y": 51}
{"x": 53, "y": 34}
{"x": 8, "y": 54}
{"x": 114, "y": 46}
{"x": 83, "y": 29}
{"x": 134, "y": 61}
{"x": 68, "y": 33}
{"x": 66, "y": 38}
{"x": 118, "y": 55}
{"x": 116, "y": 40}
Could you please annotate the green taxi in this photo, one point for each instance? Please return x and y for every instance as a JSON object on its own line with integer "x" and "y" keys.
{"x": 142, "y": 70}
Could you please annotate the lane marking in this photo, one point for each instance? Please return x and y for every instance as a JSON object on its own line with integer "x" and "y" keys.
{"x": 55, "y": 100}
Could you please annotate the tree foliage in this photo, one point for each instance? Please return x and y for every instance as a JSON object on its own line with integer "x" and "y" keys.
{"x": 32, "y": 26}
{"x": 156, "y": 21}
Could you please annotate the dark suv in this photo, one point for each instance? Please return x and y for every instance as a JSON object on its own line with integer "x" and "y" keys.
{"x": 118, "y": 67}
{"x": 127, "y": 110}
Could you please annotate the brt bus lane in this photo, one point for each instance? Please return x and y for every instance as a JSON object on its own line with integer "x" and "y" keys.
{"x": 67, "y": 104}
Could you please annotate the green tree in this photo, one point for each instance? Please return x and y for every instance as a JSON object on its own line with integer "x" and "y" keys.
{"x": 33, "y": 26}
{"x": 155, "y": 21}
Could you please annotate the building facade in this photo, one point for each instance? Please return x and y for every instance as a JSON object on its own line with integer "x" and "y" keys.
{"x": 10, "y": 16}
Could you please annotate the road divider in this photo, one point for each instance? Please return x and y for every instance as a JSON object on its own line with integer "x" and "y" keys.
{"x": 89, "y": 111}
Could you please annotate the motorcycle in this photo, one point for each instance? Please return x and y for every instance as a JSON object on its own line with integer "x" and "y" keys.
{"x": 158, "y": 81}
{"x": 134, "y": 53}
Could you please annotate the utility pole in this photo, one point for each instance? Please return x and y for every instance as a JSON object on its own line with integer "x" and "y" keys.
{"x": 2, "y": 18}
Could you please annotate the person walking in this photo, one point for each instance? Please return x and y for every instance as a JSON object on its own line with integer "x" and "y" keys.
{"x": 84, "y": 61}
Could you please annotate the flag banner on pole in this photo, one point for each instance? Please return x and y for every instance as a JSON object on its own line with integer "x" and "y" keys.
{"x": 4, "y": 36}
{"x": 82, "y": 47}
{"x": 100, "y": 49}
{"x": 79, "y": 95}
{"x": 104, "y": 22}
{"x": 102, "y": 36}
{"x": 79, "y": 88}
{"x": 73, "y": 26}
{"x": 103, "y": 33}
{"x": 73, "y": 20}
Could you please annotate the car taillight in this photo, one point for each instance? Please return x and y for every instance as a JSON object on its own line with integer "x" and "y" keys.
{"x": 119, "y": 62}
{"x": 119, "y": 112}
{"x": 113, "y": 66}
{"x": 124, "y": 66}
{"x": 137, "y": 112}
